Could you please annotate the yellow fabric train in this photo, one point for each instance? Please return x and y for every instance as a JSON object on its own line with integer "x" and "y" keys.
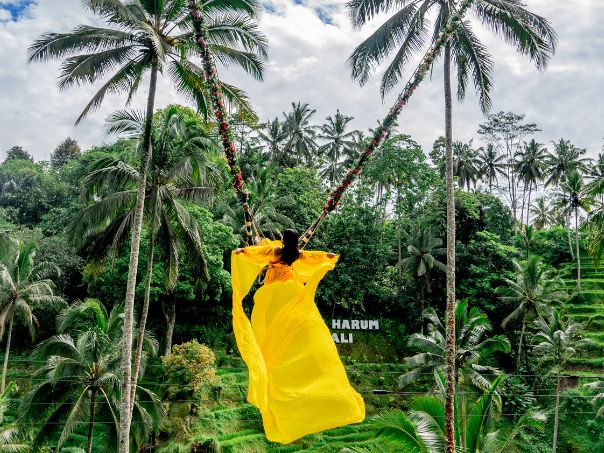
{"x": 296, "y": 378}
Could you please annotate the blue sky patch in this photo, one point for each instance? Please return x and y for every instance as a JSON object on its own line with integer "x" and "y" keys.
{"x": 16, "y": 8}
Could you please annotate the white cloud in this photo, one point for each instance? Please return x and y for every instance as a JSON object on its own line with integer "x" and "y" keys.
{"x": 5, "y": 15}
{"x": 308, "y": 63}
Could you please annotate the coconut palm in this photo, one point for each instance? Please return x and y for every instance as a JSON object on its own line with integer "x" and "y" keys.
{"x": 181, "y": 171}
{"x": 301, "y": 144}
{"x": 492, "y": 165}
{"x": 466, "y": 164}
{"x": 542, "y": 213}
{"x": 477, "y": 422}
{"x": 423, "y": 249}
{"x": 10, "y": 436}
{"x": 530, "y": 167}
{"x": 264, "y": 206}
{"x": 79, "y": 382}
{"x": 339, "y": 143}
{"x": 598, "y": 399}
{"x": 273, "y": 135}
{"x": 154, "y": 37}
{"x": 527, "y": 239}
{"x": 565, "y": 158}
{"x": 24, "y": 286}
{"x": 532, "y": 292}
{"x": 574, "y": 189}
{"x": 557, "y": 340}
{"x": 473, "y": 343}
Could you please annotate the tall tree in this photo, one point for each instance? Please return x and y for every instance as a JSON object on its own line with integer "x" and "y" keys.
{"x": 507, "y": 130}
{"x": 491, "y": 165}
{"x": 466, "y": 164}
{"x": 301, "y": 143}
{"x": 574, "y": 189}
{"x": 274, "y": 135}
{"x": 23, "y": 285}
{"x": 542, "y": 213}
{"x": 18, "y": 153}
{"x": 67, "y": 150}
{"x": 532, "y": 292}
{"x": 473, "y": 342}
{"x": 423, "y": 250}
{"x": 150, "y": 37}
{"x": 339, "y": 143}
{"x": 565, "y": 158}
{"x": 405, "y": 33}
{"x": 557, "y": 339}
{"x": 530, "y": 167}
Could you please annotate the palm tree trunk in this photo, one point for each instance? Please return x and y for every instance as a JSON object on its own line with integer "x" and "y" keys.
{"x": 570, "y": 241}
{"x": 578, "y": 250}
{"x": 556, "y": 413}
{"x": 520, "y": 341}
{"x": 143, "y": 322}
{"x": 6, "y": 353}
{"x": 523, "y": 203}
{"x": 528, "y": 207}
{"x": 137, "y": 226}
{"x": 450, "y": 329}
{"x": 169, "y": 308}
{"x": 91, "y": 421}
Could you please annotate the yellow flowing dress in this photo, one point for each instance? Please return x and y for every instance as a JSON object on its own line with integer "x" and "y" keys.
{"x": 296, "y": 378}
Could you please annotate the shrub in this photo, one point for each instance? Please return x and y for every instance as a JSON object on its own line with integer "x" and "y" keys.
{"x": 189, "y": 369}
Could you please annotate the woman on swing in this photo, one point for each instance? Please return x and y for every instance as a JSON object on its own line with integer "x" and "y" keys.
{"x": 296, "y": 378}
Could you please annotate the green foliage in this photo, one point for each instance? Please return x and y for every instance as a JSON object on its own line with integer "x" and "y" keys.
{"x": 188, "y": 370}
{"x": 67, "y": 150}
{"x": 17, "y": 153}
{"x": 552, "y": 246}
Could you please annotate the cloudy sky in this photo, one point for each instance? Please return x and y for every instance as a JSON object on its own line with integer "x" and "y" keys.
{"x": 310, "y": 41}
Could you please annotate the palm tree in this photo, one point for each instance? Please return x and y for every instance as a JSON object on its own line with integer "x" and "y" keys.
{"x": 530, "y": 167}
{"x": 473, "y": 343}
{"x": 477, "y": 422}
{"x": 423, "y": 249}
{"x": 492, "y": 165}
{"x": 542, "y": 213}
{"x": 10, "y": 437}
{"x": 339, "y": 143}
{"x": 181, "y": 171}
{"x": 155, "y": 37}
{"x": 532, "y": 292}
{"x": 79, "y": 382}
{"x": 273, "y": 135}
{"x": 527, "y": 239}
{"x": 301, "y": 134}
{"x": 565, "y": 158}
{"x": 405, "y": 33}
{"x": 556, "y": 340}
{"x": 574, "y": 189}
{"x": 23, "y": 285}
{"x": 466, "y": 164}
{"x": 596, "y": 176}
{"x": 264, "y": 206}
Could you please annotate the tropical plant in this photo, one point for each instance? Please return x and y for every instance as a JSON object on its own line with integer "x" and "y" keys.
{"x": 24, "y": 286}
{"x": 530, "y": 167}
{"x": 79, "y": 383}
{"x": 565, "y": 158}
{"x": 423, "y": 249}
{"x": 527, "y": 239}
{"x": 264, "y": 206}
{"x": 301, "y": 144}
{"x": 273, "y": 135}
{"x": 477, "y": 421}
{"x": 405, "y": 33}
{"x": 531, "y": 293}
{"x": 556, "y": 340}
{"x": 339, "y": 143}
{"x": 542, "y": 213}
{"x": 181, "y": 171}
{"x": 574, "y": 190}
{"x": 149, "y": 37}
{"x": 466, "y": 164}
{"x": 492, "y": 165}
{"x": 10, "y": 436}
{"x": 473, "y": 343}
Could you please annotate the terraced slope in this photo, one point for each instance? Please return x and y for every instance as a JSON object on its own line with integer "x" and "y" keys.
{"x": 587, "y": 308}
{"x": 236, "y": 426}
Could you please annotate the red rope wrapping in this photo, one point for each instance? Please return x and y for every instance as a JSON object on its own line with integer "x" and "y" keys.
{"x": 381, "y": 133}
{"x": 228, "y": 143}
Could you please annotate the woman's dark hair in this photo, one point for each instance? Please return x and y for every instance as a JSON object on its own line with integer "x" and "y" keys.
{"x": 290, "y": 252}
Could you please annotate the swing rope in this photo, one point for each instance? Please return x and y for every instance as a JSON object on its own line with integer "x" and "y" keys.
{"x": 226, "y": 135}
{"x": 380, "y": 134}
